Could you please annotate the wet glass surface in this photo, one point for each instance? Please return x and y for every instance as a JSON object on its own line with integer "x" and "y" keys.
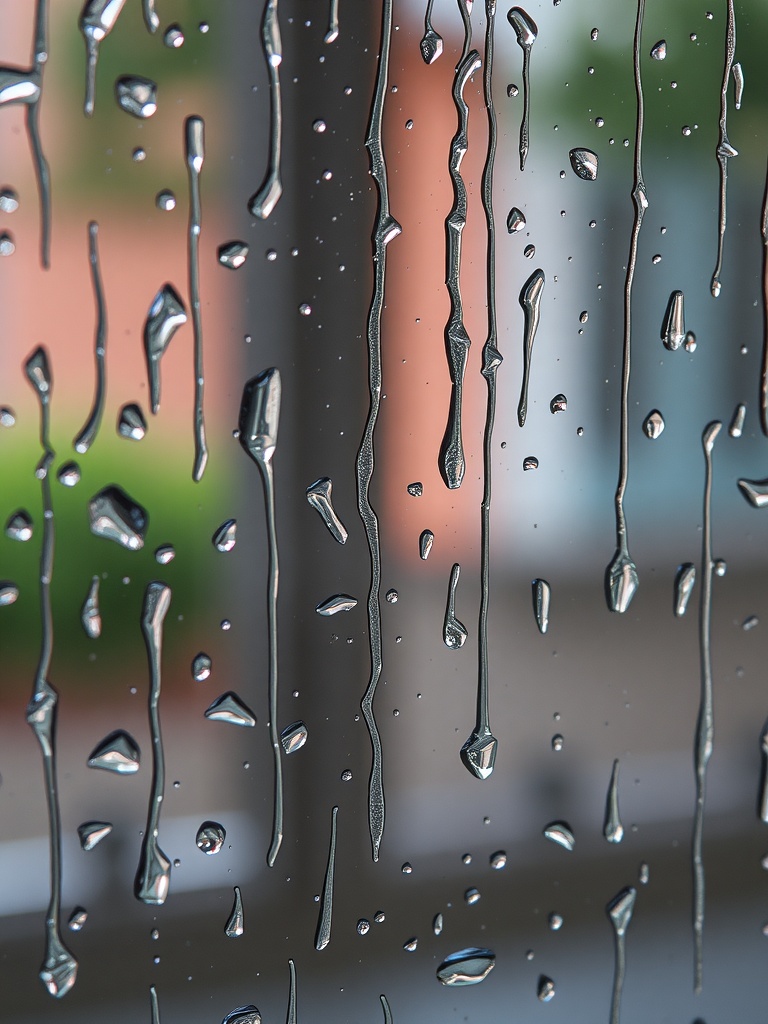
{"x": 472, "y": 829}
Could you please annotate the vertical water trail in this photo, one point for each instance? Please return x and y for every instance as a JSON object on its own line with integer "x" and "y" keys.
{"x": 456, "y": 338}
{"x": 705, "y": 724}
{"x": 613, "y": 830}
{"x": 724, "y": 149}
{"x": 264, "y": 201}
{"x": 258, "y": 423}
{"x": 530, "y": 301}
{"x": 621, "y": 578}
{"x": 762, "y": 799}
{"x": 151, "y": 20}
{"x": 454, "y": 632}
{"x": 764, "y": 365}
{"x": 526, "y": 32}
{"x": 58, "y": 970}
{"x": 323, "y": 934}
{"x": 154, "y": 872}
{"x": 154, "y": 1006}
{"x": 620, "y": 911}
{"x": 195, "y": 155}
{"x": 491, "y": 361}
{"x": 291, "y": 1016}
{"x": 97, "y": 20}
{"x": 333, "y": 22}
{"x": 431, "y": 44}
{"x": 386, "y": 1009}
{"x": 385, "y": 229}
{"x": 87, "y": 435}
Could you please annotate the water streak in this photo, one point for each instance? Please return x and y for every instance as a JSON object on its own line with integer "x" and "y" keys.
{"x": 762, "y": 801}
{"x": 530, "y": 300}
{"x": 323, "y": 933}
{"x": 235, "y": 925}
{"x": 705, "y": 725}
{"x": 620, "y": 911}
{"x": 90, "y": 616}
{"x": 385, "y": 229}
{"x": 291, "y": 1016}
{"x": 333, "y": 22}
{"x": 195, "y": 154}
{"x": 621, "y": 579}
{"x": 166, "y": 314}
{"x": 764, "y": 362}
{"x": 97, "y": 20}
{"x": 613, "y": 830}
{"x": 685, "y": 578}
{"x": 386, "y": 1009}
{"x": 431, "y": 44}
{"x": 542, "y": 596}
{"x": 58, "y": 970}
{"x": 454, "y": 632}
{"x": 724, "y": 149}
{"x": 258, "y": 423}
{"x": 87, "y": 435}
{"x": 264, "y": 201}
{"x": 457, "y": 341}
{"x": 154, "y": 871}
{"x": 151, "y": 19}
{"x": 319, "y": 496}
{"x": 526, "y": 30}
{"x": 154, "y": 1006}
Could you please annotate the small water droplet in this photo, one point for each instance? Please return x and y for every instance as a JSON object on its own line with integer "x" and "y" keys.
{"x": 136, "y": 95}
{"x": 165, "y": 554}
{"x": 319, "y": 126}
{"x": 77, "y": 919}
{"x": 466, "y": 967}
{"x": 545, "y": 989}
{"x": 498, "y": 860}
{"x": 437, "y": 924}
{"x": 235, "y": 925}
{"x": 7, "y": 244}
{"x": 555, "y": 922}
{"x": 379, "y": 917}
{"x": 425, "y": 544}
{"x": 363, "y": 926}
{"x": 293, "y": 737}
{"x": 337, "y": 603}
{"x": 117, "y": 753}
{"x": 653, "y": 425}
{"x": 7, "y": 417}
{"x": 131, "y": 423}
{"x": 346, "y": 775}
{"x": 684, "y": 582}
{"x": 210, "y": 837}
{"x": 416, "y": 489}
{"x": 165, "y": 200}
{"x": 471, "y": 896}
{"x": 9, "y": 200}
{"x": 225, "y": 536}
{"x": 557, "y": 742}
{"x": 750, "y": 622}
{"x": 230, "y": 708}
{"x": 201, "y": 667}
{"x": 643, "y": 873}
{"x": 173, "y": 37}
{"x": 407, "y": 868}
{"x": 736, "y": 427}
{"x": 530, "y": 462}
{"x": 559, "y": 832}
{"x": 515, "y": 220}
{"x": 19, "y": 526}
{"x": 392, "y": 596}
{"x": 659, "y": 50}
{"x": 233, "y": 254}
{"x": 410, "y": 945}
{"x": 558, "y": 404}
{"x": 91, "y": 833}
{"x": 529, "y": 252}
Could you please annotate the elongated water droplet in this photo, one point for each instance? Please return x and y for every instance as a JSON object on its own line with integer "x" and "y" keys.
{"x": 233, "y": 255}
{"x": 738, "y": 81}
{"x": 530, "y": 300}
{"x": 545, "y": 989}
{"x": 230, "y": 708}
{"x": 621, "y": 582}
{"x": 201, "y": 667}
{"x": 454, "y": 631}
{"x": 97, "y": 20}
{"x": 755, "y": 492}
{"x": 243, "y": 1015}
{"x": 558, "y": 404}
{"x": 136, "y": 95}
{"x": 515, "y": 220}
{"x": 659, "y": 50}
{"x": 653, "y": 425}
{"x": 323, "y": 933}
{"x": 194, "y": 152}
{"x": 466, "y": 967}
{"x": 425, "y": 544}
{"x": 337, "y": 603}
{"x": 19, "y": 526}
{"x": 526, "y": 31}
{"x": 559, "y": 832}
{"x": 319, "y": 496}
{"x": 411, "y": 945}
{"x": 762, "y": 800}
{"x": 116, "y": 516}
{"x": 90, "y": 616}
{"x": 724, "y": 150}
{"x": 644, "y": 873}
{"x": 437, "y": 924}
{"x": 736, "y": 427}
{"x": 332, "y": 33}
{"x": 684, "y": 582}
{"x": 210, "y": 837}
{"x": 264, "y": 201}
{"x": 131, "y": 423}
{"x": 225, "y": 537}
{"x": 541, "y": 598}
{"x": 117, "y": 753}
{"x": 235, "y": 925}
{"x": 584, "y": 163}
{"x": 472, "y": 896}
{"x": 91, "y": 833}
{"x": 620, "y": 910}
{"x": 613, "y": 830}
{"x": 166, "y": 314}
{"x": 293, "y": 737}
{"x": 673, "y": 325}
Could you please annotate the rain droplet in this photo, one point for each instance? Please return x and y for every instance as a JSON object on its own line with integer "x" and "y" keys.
{"x": 136, "y": 95}
{"x": 644, "y": 873}
{"x": 210, "y": 837}
{"x": 243, "y": 1014}
{"x": 91, "y": 833}
{"x": 379, "y": 917}
{"x": 437, "y": 924}
{"x": 659, "y": 50}
{"x": 77, "y": 919}
{"x": 165, "y": 554}
{"x": 425, "y": 544}
{"x": 319, "y": 496}
{"x": 319, "y": 126}
{"x": 225, "y": 537}
{"x": 749, "y": 623}
{"x": 512, "y": 91}
{"x": 233, "y": 255}
{"x": 174, "y": 37}
{"x": 9, "y": 200}
{"x": 529, "y": 252}
{"x": 235, "y": 925}
{"x": 515, "y": 220}
{"x": 466, "y": 966}
{"x": 90, "y": 616}
{"x": 346, "y": 775}
{"x": 9, "y": 593}
{"x": 584, "y": 163}
{"x": 454, "y": 631}
{"x": 201, "y": 667}
{"x": 19, "y": 526}
{"x": 69, "y": 474}
{"x": 471, "y": 896}
{"x": 392, "y": 596}
{"x": 530, "y": 462}
{"x": 555, "y": 922}
{"x": 165, "y": 200}
{"x": 407, "y": 868}
{"x": 558, "y": 404}
{"x": 690, "y": 341}
{"x": 7, "y": 417}
{"x": 621, "y": 582}
{"x": 363, "y": 926}
{"x": 613, "y": 830}
{"x": 7, "y": 244}
{"x": 541, "y": 599}
{"x": 116, "y": 516}
{"x": 736, "y": 427}
{"x": 131, "y": 423}
{"x": 230, "y": 708}
{"x": 415, "y": 489}
{"x": 720, "y": 567}
{"x": 545, "y": 989}
{"x": 653, "y": 425}
{"x": 293, "y": 737}
{"x": 557, "y": 742}
{"x": 498, "y": 860}
{"x": 335, "y": 604}
{"x": 755, "y": 492}
{"x": 410, "y": 945}
{"x": 684, "y": 581}
{"x": 673, "y": 325}
{"x": 559, "y": 832}
{"x": 117, "y": 752}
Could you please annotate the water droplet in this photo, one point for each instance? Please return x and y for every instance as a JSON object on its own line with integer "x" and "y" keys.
{"x": 555, "y": 922}
{"x": 233, "y": 255}
{"x": 131, "y": 423}
{"x": 9, "y": 200}
{"x": 644, "y": 873}
{"x": 749, "y": 623}
{"x": 116, "y": 516}
{"x": 91, "y": 833}
{"x": 659, "y": 50}
{"x": 673, "y": 325}
{"x": 613, "y": 830}
{"x": 379, "y": 917}
{"x": 90, "y": 615}
{"x": 323, "y": 933}
{"x": 755, "y": 492}
{"x": 466, "y": 966}
{"x": 425, "y": 544}
{"x": 319, "y": 126}
{"x": 684, "y": 581}
{"x": 165, "y": 554}
{"x": 541, "y": 600}
{"x": 7, "y": 244}
{"x": 653, "y": 425}
{"x": 392, "y": 596}
{"x": 117, "y": 752}
{"x": 136, "y": 95}
{"x": 335, "y": 604}
{"x": 346, "y": 775}
{"x": 363, "y": 926}
{"x": 174, "y": 37}
{"x": 529, "y": 252}
{"x": 69, "y": 474}
{"x": 230, "y": 708}
{"x": 559, "y": 832}
{"x": 720, "y": 567}
{"x": 77, "y": 919}
{"x": 166, "y": 314}
{"x": 319, "y": 496}
{"x": 410, "y": 945}
{"x": 621, "y": 582}
{"x": 210, "y": 837}
{"x": 9, "y": 593}
{"x": 530, "y": 301}
{"x": 454, "y": 631}
{"x": 512, "y": 91}
{"x": 471, "y": 896}
{"x": 235, "y": 925}
{"x": 225, "y": 537}
{"x": 243, "y": 1014}
{"x": 690, "y": 342}
{"x": 558, "y": 404}
{"x": 293, "y": 737}
{"x": 557, "y": 742}
{"x": 530, "y": 462}
{"x": 201, "y": 667}
{"x": 431, "y": 45}
{"x": 415, "y": 489}
{"x": 515, "y": 220}
{"x": 305, "y": 309}
{"x": 584, "y": 163}
{"x": 736, "y": 427}
{"x": 165, "y": 200}
{"x": 7, "y": 417}
{"x": 437, "y": 924}
{"x": 545, "y": 989}
{"x": 498, "y": 860}
{"x": 620, "y": 910}
{"x": 19, "y": 526}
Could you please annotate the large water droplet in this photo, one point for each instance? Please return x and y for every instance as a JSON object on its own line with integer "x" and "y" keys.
{"x": 755, "y": 492}
{"x": 559, "y": 832}
{"x": 653, "y": 425}
{"x": 117, "y": 753}
{"x": 545, "y": 989}
{"x": 515, "y": 220}
{"x": 584, "y": 163}
{"x": 116, "y": 516}
{"x": 673, "y": 325}
{"x": 243, "y": 1015}
{"x": 210, "y": 837}
{"x": 136, "y": 95}
{"x": 230, "y": 708}
{"x": 425, "y": 544}
{"x": 621, "y": 581}
{"x": 454, "y": 631}
{"x": 659, "y": 50}
{"x": 498, "y": 860}
{"x": 166, "y": 314}
{"x": 225, "y": 537}
{"x": 173, "y": 37}
{"x": 293, "y": 737}
{"x": 466, "y": 966}
{"x": 68, "y": 474}
{"x": 131, "y": 423}
{"x": 91, "y": 833}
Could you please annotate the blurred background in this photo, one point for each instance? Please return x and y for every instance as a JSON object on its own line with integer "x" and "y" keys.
{"x": 612, "y": 686}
